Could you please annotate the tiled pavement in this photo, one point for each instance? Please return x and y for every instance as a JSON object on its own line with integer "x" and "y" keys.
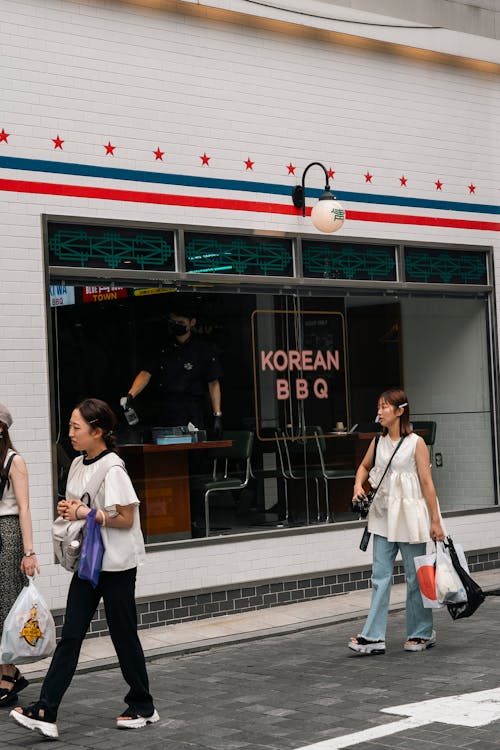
{"x": 280, "y": 679}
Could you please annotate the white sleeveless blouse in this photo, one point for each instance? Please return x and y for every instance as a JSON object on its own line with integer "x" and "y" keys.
{"x": 8, "y": 505}
{"x": 399, "y": 512}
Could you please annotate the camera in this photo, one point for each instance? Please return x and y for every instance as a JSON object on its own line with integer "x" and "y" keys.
{"x": 362, "y": 506}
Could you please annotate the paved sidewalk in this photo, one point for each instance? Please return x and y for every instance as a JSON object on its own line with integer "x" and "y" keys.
{"x": 199, "y": 635}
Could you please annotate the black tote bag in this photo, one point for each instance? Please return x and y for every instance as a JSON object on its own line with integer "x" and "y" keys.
{"x": 475, "y": 594}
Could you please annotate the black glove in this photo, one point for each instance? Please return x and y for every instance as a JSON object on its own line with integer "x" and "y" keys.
{"x": 217, "y": 427}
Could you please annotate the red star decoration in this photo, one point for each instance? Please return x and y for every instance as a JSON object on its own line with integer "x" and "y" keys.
{"x": 472, "y": 188}
{"x": 205, "y": 159}
{"x": 249, "y": 163}
{"x": 330, "y": 173}
{"x": 291, "y": 168}
{"x": 438, "y": 184}
{"x": 403, "y": 180}
{"x": 109, "y": 148}
{"x": 58, "y": 142}
{"x": 368, "y": 177}
{"x": 3, "y": 136}
{"x": 158, "y": 154}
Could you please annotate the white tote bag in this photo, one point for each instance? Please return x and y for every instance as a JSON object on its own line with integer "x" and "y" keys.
{"x": 449, "y": 587}
{"x": 29, "y": 631}
{"x": 425, "y": 565}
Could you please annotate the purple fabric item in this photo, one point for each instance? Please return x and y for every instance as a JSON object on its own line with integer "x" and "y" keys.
{"x": 92, "y": 551}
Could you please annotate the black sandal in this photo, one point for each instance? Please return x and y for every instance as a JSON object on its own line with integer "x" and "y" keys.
{"x": 18, "y": 683}
{"x": 38, "y": 718}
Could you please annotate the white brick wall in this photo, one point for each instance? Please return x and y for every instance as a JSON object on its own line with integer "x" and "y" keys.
{"x": 99, "y": 72}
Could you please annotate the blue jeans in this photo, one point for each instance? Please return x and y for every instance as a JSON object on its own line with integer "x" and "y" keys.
{"x": 418, "y": 618}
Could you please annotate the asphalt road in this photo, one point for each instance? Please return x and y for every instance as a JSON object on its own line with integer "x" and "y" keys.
{"x": 289, "y": 691}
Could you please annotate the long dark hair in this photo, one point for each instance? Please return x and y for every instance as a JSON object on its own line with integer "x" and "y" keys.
{"x": 99, "y": 414}
{"x": 398, "y": 398}
{"x": 5, "y": 444}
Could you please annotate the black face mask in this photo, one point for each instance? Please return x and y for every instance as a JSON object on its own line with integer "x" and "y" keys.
{"x": 178, "y": 329}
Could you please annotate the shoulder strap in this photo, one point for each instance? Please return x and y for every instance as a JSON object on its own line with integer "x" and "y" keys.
{"x": 387, "y": 467}
{"x": 4, "y": 481}
{"x": 105, "y": 464}
{"x": 377, "y": 438}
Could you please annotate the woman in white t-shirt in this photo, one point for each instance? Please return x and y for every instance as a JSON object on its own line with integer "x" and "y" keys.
{"x": 90, "y": 431}
{"x": 403, "y": 516}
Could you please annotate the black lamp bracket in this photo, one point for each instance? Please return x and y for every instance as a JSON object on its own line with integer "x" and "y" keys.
{"x": 299, "y": 191}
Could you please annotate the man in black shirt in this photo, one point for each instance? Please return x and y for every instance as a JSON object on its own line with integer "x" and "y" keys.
{"x": 182, "y": 371}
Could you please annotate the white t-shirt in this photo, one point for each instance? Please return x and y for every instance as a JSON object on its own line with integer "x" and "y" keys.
{"x": 123, "y": 548}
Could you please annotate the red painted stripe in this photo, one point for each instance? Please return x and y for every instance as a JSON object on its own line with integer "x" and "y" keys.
{"x": 428, "y": 221}
{"x": 136, "y": 196}
{"x": 228, "y": 204}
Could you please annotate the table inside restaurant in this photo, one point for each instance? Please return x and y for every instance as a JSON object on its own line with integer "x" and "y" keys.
{"x": 160, "y": 475}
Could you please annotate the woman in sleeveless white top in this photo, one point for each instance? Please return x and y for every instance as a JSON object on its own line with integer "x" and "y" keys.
{"x": 17, "y": 557}
{"x": 404, "y": 516}
{"x": 399, "y": 511}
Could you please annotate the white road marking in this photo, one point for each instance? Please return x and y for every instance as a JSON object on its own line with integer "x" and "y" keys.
{"x": 349, "y": 740}
{"x": 467, "y": 710}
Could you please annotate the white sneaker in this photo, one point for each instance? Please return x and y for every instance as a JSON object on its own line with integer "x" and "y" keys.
{"x": 366, "y": 647}
{"x": 420, "y": 644}
{"x": 135, "y": 721}
{"x": 47, "y": 728}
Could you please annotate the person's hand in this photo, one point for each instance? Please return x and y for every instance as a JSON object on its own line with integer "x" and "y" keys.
{"x": 436, "y": 532}
{"x": 357, "y": 493}
{"x": 29, "y": 565}
{"x": 72, "y": 510}
{"x": 217, "y": 426}
{"x": 61, "y": 507}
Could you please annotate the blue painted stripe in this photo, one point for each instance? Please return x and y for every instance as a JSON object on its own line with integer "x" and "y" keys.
{"x": 163, "y": 178}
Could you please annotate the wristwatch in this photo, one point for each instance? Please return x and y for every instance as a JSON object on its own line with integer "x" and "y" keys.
{"x": 30, "y": 553}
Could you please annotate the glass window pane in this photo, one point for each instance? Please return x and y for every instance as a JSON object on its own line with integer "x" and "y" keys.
{"x": 245, "y": 255}
{"x": 445, "y": 266}
{"x": 131, "y": 248}
{"x": 339, "y": 260}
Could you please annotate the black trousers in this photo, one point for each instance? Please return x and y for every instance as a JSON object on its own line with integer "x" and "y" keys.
{"x": 118, "y": 593}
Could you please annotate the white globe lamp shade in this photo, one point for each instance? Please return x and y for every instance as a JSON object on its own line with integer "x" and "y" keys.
{"x": 328, "y": 215}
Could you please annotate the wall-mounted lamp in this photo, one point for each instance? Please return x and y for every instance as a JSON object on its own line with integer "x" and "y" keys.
{"x": 327, "y": 215}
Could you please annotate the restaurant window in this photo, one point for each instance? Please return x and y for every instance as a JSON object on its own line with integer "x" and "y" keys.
{"x": 301, "y": 372}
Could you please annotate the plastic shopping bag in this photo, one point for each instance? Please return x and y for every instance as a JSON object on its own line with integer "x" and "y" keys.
{"x": 90, "y": 565}
{"x": 425, "y": 565}
{"x": 449, "y": 587}
{"x": 29, "y": 631}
